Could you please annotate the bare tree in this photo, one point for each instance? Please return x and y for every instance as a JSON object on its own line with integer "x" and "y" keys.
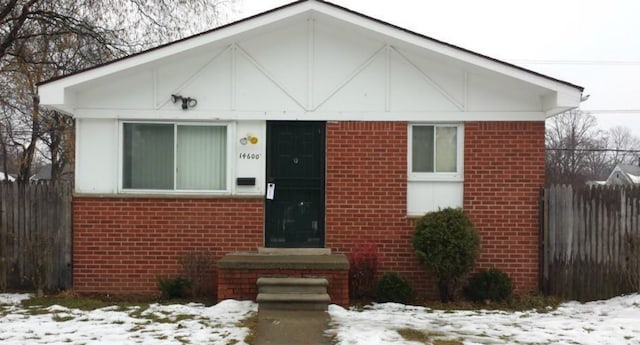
{"x": 42, "y": 39}
{"x": 570, "y": 140}
{"x": 578, "y": 152}
{"x": 624, "y": 146}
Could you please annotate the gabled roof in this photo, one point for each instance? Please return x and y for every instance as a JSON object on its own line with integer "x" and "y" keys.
{"x": 632, "y": 172}
{"x": 295, "y": 3}
{"x": 52, "y": 91}
{"x": 629, "y": 173}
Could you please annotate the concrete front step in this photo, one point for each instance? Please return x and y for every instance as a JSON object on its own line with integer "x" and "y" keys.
{"x": 292, "y": 285}
{"x": 275, "y": 293}
{"x": 293, "y": 301}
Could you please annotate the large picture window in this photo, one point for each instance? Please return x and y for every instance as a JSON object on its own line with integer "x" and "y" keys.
{"x": 174, "y": 157}
{"x": 435, "y": 150}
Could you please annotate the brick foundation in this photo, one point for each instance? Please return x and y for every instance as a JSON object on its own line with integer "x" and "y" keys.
{"x": 241, "y": 283}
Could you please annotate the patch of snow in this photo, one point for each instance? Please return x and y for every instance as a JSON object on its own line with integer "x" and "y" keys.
{"x": 634, "y": 178}
{"x": 615, "y": 321}
{"x": 166, "y": 324}
{"x": 13, "y": 298}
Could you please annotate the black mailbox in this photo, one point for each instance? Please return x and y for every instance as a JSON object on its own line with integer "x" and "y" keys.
{"x": 246, "y": 181}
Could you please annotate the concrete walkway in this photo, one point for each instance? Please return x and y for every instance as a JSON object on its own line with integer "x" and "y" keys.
{"x": 287, "y": 327}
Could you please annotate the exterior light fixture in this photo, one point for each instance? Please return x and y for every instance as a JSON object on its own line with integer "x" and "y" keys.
{"x": 187, "y": 102}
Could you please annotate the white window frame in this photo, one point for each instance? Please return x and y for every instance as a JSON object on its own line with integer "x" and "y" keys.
{"x": 457, "y": 176}
{"x": 229, "y": 162}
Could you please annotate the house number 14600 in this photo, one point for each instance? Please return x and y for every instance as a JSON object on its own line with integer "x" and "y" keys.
{"x": 249, "y": 156}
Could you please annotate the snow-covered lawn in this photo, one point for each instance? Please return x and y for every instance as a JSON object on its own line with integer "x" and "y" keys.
{"x": 159, "y": 324}
{"x": 615, "y": 321}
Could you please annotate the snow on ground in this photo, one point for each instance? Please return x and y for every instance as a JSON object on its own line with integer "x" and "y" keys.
{"x": 615, "y": 321}
{"x": 159, "y": 324}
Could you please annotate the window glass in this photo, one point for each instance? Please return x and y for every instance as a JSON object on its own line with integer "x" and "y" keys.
{"x": 202, "y": 154}
{"x": 446, "y": 139}
{"x": 434, "y": 149}
{"x": 422, "y": 148}
{"x": 174, "y": 157}
{"x": 148, "y": 156}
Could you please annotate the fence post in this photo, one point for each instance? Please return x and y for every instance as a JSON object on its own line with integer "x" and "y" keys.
{"x": 590, "y": 241}
{"x": 32, "y": 216}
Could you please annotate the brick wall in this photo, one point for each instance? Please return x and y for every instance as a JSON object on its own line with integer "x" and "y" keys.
{"x": 366, "y": 194}
{"x": 504, "y": 171}
{"x": 121, "y": 245}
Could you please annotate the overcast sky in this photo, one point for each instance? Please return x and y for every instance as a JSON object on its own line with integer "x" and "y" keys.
{"x": 591, "y": 43}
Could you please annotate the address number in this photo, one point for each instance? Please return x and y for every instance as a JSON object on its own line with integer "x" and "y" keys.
{"x": 249, "y": 156}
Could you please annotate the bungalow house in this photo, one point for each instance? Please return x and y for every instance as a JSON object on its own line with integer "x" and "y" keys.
{"x": 307, "y": 126}
{"x": 624, "y": 174}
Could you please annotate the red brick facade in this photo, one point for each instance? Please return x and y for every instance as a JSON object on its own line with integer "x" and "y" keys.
{"x": 367, "y": 194}
{"x": 121, "y": 245}
{"x": 504, "y": 172}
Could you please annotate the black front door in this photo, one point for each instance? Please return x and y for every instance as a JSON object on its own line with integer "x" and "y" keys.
{"x": 295, "y": 185}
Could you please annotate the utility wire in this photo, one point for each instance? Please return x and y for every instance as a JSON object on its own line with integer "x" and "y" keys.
{"x": 611, "y": 111}
{"x": 578, "y": 62}
{"x": 591, "y": 150}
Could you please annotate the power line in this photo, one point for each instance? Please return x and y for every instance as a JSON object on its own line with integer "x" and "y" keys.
{"x": 612, "y": 111}
{"x": 579, "y": 62}
{"x": 591, "y": 150}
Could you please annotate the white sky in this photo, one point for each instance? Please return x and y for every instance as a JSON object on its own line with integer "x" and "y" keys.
{"x": 591, "y": 43}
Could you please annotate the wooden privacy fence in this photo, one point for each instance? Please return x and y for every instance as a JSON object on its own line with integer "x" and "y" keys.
{"x": 591, "y": 241}
{"x": 35, "y": 236}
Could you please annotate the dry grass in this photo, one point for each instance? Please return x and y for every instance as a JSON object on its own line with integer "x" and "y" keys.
{"x": 514, "y": 303}
{"x": 411, "y": 334}
{"x": 251, "y": 322}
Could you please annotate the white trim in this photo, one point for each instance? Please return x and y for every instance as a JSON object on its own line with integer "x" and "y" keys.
{"x": 457, "y": 176}
{"x": 311, "y": 28}
{"x": 77, "y": 139}
{"x": 432, "y": 82}
{"x": 350, "y": 77}
{"x": 381, "y": 115}
{"x": 230, "y": 171}
{"x": 269, "y": 76}
{"x": 387, "y": 79}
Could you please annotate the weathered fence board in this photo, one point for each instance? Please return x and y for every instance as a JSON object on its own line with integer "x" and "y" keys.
{"x": 35, "y": 235}
{"x": 591, "y": 241}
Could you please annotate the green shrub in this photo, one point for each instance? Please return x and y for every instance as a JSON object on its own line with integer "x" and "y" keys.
{"x": 446, "y": 242}
{"x": 173, "y": 287}
{"x": 392, "y": 287}
{"x": 489, "y": 285}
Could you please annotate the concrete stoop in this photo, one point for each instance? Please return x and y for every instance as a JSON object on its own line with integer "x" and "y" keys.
{"x": 292, "y": 293}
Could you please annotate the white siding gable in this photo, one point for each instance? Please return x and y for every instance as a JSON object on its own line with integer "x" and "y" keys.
{"x": 313, "y": 67}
